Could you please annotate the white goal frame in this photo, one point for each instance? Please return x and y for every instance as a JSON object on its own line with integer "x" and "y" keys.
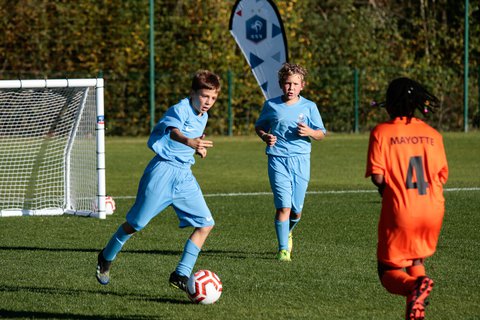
{"x": 98, "y": 207}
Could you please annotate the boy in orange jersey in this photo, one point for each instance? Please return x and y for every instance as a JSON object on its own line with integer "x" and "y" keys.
{"x": 406, "y": 161}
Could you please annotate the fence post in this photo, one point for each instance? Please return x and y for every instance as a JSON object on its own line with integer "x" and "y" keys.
{"x": 465, "y": 72}
{"x": 476, "y": 118}
{"x": 355, "y": 103}
{"x": 152, "y": 65}
{"x": 230, "y": 113}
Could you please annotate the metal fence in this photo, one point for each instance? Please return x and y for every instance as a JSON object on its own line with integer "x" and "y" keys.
{"x": 343, "y": 96}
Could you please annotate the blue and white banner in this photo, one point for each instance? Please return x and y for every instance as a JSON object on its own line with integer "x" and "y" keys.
{"x": 258, "y": 30}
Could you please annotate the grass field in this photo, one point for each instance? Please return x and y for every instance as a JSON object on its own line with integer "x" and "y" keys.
{"x": 48, "y": 263}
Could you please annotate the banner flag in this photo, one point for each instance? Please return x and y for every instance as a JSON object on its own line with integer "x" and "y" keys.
{"x": 258, "y": 30}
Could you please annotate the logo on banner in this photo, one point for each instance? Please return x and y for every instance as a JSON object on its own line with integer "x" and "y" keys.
{"x": 256, "y": 29}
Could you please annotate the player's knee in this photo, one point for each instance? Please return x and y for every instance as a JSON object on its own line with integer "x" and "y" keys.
{"x": 386, "y": 283}
{"x": 207, "y": 229}
{"x": 129, "y": 229}
{"x": 282, "y": 214}
{"x": 203, "y": 232}
{"x": 295, "y": 216}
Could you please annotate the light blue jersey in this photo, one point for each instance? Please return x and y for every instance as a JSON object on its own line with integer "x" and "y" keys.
{"x": 289, "y": 157}
{"x": 281, "y": 120}
{"x": 184, "y": 117}
{"x": 168, "y": 179}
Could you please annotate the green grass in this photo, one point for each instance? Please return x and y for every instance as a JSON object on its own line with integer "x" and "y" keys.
{"x": 47, "y": 263}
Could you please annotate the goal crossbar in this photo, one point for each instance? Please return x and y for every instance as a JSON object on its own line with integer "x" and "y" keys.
{"x": 51, "y": 83}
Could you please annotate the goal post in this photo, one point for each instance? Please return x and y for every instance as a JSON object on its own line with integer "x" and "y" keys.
{"x": 52, "y": 147}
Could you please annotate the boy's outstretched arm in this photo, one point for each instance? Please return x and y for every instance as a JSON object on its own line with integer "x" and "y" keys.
{"x": 198, "y": 144}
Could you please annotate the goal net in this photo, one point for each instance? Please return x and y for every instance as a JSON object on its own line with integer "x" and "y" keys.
{"x": 52, "y": 153}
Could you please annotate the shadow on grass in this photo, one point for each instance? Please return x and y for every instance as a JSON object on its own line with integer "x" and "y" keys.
{"x": 76, "y": 292}
{"x": 96, "y": 250}
{"x": 10, "y": 314}
{"x": 234, "y": 254}
{"x": 238, "y": 254}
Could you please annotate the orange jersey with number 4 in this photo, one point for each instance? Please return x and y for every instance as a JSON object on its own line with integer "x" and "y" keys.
{"x": 411, "y": 157}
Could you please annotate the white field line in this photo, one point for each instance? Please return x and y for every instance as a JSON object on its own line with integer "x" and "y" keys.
{"x": 249, "y": 194}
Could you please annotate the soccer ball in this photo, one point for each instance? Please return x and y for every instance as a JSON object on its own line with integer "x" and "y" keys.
{"x": 109, "y": 205}
{"x": 204, "y": 287}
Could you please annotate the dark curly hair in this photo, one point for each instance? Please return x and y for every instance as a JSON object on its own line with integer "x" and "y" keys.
{"x": 405, "y": 95}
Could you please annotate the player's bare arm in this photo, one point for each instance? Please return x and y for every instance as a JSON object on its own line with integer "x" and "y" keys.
{"x": 268, "y": 138}
{"x": 305, "y": 131}
{"x": 379, "y": 181}
{"x": 199, "y": 144}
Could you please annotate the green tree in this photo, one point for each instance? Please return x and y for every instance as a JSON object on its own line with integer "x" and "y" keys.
{"x": 383, "y": 39}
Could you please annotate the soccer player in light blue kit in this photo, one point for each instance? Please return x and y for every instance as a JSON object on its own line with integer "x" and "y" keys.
{"x": 286, "y": 125}
{"x": 168, "y": 179}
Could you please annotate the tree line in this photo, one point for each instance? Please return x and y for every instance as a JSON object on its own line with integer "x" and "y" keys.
{"x": 377, "y": 40}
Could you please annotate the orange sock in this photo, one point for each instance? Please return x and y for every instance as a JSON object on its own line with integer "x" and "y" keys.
{"x": 416, "y": 271}
{"x": 398, "y": 282}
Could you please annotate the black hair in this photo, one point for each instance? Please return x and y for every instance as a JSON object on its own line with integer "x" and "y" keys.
{"x": 405, "y": 95}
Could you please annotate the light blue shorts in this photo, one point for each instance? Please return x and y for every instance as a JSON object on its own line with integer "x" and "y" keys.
{"x": 164, "y": 184}
{"x": 289, "y": 177}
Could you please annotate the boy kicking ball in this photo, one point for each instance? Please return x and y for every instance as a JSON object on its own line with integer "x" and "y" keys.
{"x": 168, "y": 180}
{"x": 406, "y": 161}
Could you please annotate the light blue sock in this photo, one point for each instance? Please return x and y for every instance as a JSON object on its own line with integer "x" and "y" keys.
{"x": 293, "y": 223}
{"x": 281, "y": 227}
{"x": 189, "y": 257}
{"x": 115, "y": 244}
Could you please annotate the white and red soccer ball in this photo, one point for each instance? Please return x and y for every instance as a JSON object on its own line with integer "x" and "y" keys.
{"x": 204, "y": 287}
{"x": 109, "y": 205}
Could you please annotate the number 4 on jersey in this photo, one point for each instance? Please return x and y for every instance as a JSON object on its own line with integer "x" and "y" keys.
{"x": 415, "y": 166}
